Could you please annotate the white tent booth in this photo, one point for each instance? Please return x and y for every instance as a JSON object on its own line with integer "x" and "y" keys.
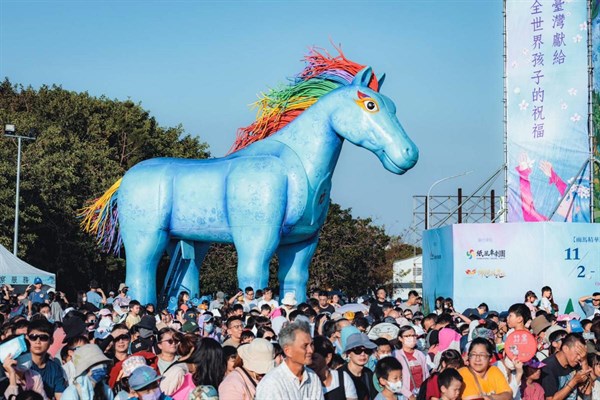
{"x": 14, "y": 271}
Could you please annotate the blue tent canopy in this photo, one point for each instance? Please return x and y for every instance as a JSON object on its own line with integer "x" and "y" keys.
{"x": 14, "y": 271}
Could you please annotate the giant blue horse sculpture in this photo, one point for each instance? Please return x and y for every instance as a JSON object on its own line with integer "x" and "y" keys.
{"x": 271, "y": 196}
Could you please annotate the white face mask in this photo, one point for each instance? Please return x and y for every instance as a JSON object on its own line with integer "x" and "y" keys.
{"x": 410, "y": 342}
{"x": 395, "y": 387}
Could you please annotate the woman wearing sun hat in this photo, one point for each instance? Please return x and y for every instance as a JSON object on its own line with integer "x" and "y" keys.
{"x": 257, "y": 359}
{"x": 91, "y": 370}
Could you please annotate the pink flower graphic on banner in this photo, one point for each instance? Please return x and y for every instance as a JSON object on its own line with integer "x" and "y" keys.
{"x": 514, "y": 64}
{"x": 576, "y": 117}
{"x": 564, "y": 105}
{"x": 572, "y": 92}
{"x": 523, "y": 105}
{"x": 583, "y": 26}
{"x": 577, "y": 38}
{"x": 525, "y": 51}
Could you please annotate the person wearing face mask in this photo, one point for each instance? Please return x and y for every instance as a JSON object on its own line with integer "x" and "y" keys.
{"x": 389, "y": 375}
{"x": 144, "y": 383}
{"x": 91, "y": 371}
{"x": 414, "y": 362}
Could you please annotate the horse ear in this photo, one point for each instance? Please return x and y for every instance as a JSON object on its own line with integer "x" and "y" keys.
{"x": 363, "y": 77}
{"x": 380, "y": 81}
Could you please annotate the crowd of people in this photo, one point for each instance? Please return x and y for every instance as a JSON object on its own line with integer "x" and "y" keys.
{"x": 252, "y": 346}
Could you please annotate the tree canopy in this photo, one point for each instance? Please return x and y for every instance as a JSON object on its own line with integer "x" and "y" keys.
{"x": 83, "y": 145}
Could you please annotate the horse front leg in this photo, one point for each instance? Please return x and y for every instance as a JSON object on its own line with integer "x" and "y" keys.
{"x": 255, "y": 248}
{"x": 143, "y": 252}
{"x": 294, "y": 260}
{"x": 256, "y": 203}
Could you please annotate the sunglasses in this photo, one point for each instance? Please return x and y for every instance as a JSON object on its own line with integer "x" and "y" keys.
{"x": 360, "y": 350}
{"x": 170, "y": 341}
{"x": 270, "y": 337}
{"x": 43, "y": 337}
{"x": 90, "y": 323}
{"x": 123, "y": 337}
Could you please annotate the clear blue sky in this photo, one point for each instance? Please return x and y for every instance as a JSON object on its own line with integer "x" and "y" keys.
{"x": 201, "y": 63}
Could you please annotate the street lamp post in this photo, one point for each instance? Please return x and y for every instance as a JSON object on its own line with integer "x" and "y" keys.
{"x": 10, "y": 131}
{"x": 427, "y": 199}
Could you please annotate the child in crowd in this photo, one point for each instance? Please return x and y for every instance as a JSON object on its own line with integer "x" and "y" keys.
{"x": 530, "y": 388}
{"x": 389, "y": 375}
{"x": 594, "y": 362}
{"x": 450, "y": 383}
{"x": 518, "y": 316}
{"x": 144, "y": 384}
{"x": 547, "y": 301}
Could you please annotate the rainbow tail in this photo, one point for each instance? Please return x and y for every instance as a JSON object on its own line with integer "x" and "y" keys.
{"x": 101, "y": 218}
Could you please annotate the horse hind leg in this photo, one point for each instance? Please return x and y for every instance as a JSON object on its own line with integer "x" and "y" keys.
{"x": 294, "y": 260}
{"x": 191, "y": 279}
{"x": 143, "y": 252}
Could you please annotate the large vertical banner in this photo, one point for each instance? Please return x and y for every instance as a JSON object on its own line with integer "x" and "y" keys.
{"x": 547, "y": 110}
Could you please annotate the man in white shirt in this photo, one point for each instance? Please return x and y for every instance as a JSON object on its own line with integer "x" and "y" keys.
{"x": 292, "y": 380}
{"x": 267, "y": 298}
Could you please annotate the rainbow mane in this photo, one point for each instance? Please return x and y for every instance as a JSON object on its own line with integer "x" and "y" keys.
{"x": 277, "y": 108}
{"x": 100, "y": 217}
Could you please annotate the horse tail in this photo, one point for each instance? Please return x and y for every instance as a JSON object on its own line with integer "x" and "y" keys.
{"x": 100, "y": 217}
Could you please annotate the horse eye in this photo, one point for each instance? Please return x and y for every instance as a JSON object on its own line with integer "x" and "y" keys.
{"x": 371, "y": 105}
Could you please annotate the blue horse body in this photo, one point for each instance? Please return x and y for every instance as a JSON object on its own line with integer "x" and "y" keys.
{"x": 270, "y": 197}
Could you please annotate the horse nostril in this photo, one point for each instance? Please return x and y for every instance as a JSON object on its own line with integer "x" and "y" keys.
{"x": 411, "y": 152}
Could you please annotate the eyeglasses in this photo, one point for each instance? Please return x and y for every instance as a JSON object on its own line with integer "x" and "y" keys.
{"x": 124, "y": 336}
{"x": 240, "y": 326}
{"x": 360, "y": 350}
{"x": 171, "y": 341}
{"x": 43, "y": 337}
{"x": 479, "y": 356}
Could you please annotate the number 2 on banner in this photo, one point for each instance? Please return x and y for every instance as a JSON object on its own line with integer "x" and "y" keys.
{"x": 572, "y": 252}
{"x": 581, "y": 270}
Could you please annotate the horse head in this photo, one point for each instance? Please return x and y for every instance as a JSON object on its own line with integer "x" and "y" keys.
{"x": 368, "y": 119}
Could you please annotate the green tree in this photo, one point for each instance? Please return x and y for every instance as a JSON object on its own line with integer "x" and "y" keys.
{"x": 83, "y": 145}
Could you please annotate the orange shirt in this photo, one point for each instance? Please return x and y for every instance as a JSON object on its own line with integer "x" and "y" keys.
{"x": 493, "y": 383}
